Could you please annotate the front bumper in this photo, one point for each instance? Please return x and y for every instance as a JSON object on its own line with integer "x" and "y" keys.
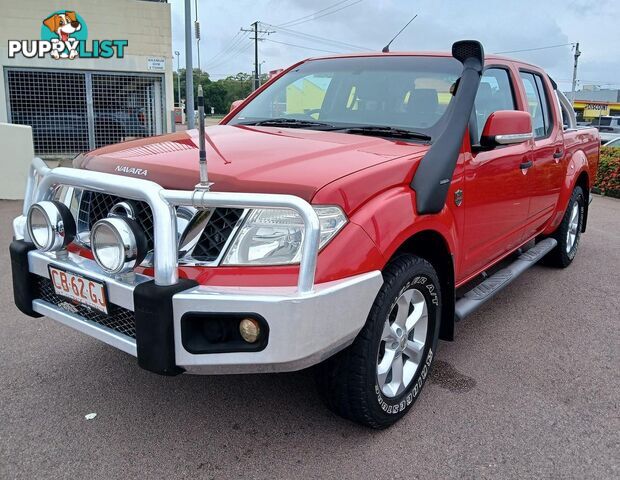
{"x": 304, "y": 327}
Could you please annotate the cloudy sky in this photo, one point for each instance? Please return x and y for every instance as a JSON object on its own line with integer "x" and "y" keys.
{"x": 306, "y": 28}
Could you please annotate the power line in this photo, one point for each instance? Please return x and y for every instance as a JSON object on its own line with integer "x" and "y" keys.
{"x": 233, "y": 54}
{"x": 584, "y": 81}
{"x": 235, "y": 45}
{"x": 312, "y": 14}
{"x": 238, "y": 49}
{"x": 230, "y": 44}
{"x": 536, "y": 48}
{"x": 300, "y": 46}
{"x": 316, "y": 38}
{"x": 307, "y": 36}
{"x": 234, "y": 41}
{"x": 314, "y": 17}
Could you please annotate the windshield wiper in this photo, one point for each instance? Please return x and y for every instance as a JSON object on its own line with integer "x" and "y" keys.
{"x": 380, "y": 131}
{"x": 287, "y": 122}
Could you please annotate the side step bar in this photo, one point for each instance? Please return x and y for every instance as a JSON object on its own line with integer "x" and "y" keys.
{"x": 483, "y": 292}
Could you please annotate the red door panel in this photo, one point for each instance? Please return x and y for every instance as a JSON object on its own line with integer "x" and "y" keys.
{"x": 496, "y": 202}
{"x": 548, "y": 157}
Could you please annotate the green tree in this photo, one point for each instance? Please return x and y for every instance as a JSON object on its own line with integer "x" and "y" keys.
{"x": 199, "y": 77}
{"x": 219, "y": 94}
{"x": 215, "y": 96}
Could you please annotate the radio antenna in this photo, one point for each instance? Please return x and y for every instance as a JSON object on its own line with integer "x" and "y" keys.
{"x": 202, "y": 151}
{"x": 386, "y": 49}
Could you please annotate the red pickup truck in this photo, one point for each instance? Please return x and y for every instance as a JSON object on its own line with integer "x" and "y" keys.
{"x": 359, "y": 206}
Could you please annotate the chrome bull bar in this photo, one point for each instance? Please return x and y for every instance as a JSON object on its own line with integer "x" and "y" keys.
{"x": 42, "y": 180}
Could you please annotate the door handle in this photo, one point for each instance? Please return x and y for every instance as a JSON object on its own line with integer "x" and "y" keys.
{"x": 525, "y": 165}
{"x": 558, "y": 154}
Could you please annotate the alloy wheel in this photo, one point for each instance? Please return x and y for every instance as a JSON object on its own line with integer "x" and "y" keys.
{"x": 402, "y": 343}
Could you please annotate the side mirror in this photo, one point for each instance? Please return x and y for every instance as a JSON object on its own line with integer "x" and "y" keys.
{"x": 234, "y": 105}
{"x": 506, "y": 127}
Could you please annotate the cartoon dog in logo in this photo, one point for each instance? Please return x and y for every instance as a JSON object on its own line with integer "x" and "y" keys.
{"x": 64, "y": 25}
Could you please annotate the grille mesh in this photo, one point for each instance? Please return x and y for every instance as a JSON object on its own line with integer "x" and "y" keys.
{"x": 95, "y": 206}
{"x": 216, "y": 233}
{"x": 119, "y": 319}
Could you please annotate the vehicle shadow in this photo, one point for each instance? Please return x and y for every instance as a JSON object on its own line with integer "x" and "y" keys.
{"x": 245, "y": 411}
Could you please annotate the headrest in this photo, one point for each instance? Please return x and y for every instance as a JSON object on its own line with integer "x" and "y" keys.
{"x": 424, "y": 100}
{"x": 485, "y": 92}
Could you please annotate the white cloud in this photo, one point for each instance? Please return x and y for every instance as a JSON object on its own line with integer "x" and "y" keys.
{"x": 500, "y": 25}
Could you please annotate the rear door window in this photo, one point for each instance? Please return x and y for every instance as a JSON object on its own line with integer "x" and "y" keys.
{"x": 538, "y": 104}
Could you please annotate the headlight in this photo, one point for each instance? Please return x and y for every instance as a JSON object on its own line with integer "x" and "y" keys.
{"x": 274, "y": 236}
{"x": 50, "y": 225}
{"x": 118, "y": 244}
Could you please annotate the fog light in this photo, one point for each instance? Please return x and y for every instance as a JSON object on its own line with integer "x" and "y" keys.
{"x": 118, "y": 244}
{"x": 249, "y": 330}
{"x": 51, "y": 226}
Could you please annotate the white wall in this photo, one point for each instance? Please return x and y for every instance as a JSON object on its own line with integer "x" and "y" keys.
{"x": 145, "y": 25}
{"x": 17, "y": 153}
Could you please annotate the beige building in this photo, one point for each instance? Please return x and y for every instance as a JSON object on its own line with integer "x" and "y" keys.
{"x": 86, "y": 73}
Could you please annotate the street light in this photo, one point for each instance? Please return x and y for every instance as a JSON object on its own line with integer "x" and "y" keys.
{"x": 178, "y": 54}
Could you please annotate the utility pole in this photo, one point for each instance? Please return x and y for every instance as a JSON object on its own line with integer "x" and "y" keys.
{"x": 178, "y": 54}
{"x": 574, "y": 87}
{"x": 256, "y": 31}
{"x": 256, "y": 77}
{"x": 189, "y": 69}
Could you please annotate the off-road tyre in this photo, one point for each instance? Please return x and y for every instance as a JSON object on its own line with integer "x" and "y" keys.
{"x": 348, "y": 382}
{"x": 566, "y": 249}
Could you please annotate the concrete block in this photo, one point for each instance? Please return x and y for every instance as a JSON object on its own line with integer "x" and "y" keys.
{"x": 17, "y": 154}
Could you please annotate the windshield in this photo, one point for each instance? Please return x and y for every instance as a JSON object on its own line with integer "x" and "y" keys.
{"x": 409, "y": 92}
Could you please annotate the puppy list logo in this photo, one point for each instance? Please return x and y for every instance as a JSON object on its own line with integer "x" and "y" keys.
{"x": 64, "y": 36}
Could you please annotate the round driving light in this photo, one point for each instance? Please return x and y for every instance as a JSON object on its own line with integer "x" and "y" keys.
{"x": 51, "y": 226}
{"x": 249, "y": 330}
{"x": 118, "y": 244}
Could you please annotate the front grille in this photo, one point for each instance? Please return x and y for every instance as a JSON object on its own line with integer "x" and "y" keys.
{"x": 95, "y": 205}
{"x": 119, "y": 319}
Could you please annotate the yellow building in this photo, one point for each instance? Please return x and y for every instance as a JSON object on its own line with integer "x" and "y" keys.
{"x": 593, "y": 102}
{"x": 591, "y": 110}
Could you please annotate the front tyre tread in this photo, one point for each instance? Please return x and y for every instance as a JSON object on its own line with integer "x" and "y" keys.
{"x": 346, "y": 381}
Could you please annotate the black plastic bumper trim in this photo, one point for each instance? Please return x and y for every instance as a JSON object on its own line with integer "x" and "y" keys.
{"x": 154, "y": 325}
{"x": 24, "y": 282}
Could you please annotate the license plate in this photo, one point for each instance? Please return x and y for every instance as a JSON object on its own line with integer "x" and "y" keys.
{"x": 82, "y": 290}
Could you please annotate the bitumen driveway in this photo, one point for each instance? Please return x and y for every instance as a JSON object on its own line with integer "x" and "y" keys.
{"x": 529, "y": 389}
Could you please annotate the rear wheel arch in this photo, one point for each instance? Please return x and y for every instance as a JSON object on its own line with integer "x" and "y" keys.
{"x": 433, "y": 247}
{"x": 583, "y": 181}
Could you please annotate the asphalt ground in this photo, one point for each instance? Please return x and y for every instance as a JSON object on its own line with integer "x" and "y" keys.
{"x": 529, "y": 389}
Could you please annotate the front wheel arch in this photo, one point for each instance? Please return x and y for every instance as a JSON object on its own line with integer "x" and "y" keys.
{"x": 433, "y": 247}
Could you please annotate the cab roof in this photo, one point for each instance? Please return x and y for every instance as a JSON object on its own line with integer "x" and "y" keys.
{"x": 488, "y": 58}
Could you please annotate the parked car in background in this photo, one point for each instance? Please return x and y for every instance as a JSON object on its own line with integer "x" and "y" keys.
{"x": 608, "y": 127}
{"x": 613, "y": 143}
{"x": 110, "y": 126}
{"x": 360, "y": 206}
